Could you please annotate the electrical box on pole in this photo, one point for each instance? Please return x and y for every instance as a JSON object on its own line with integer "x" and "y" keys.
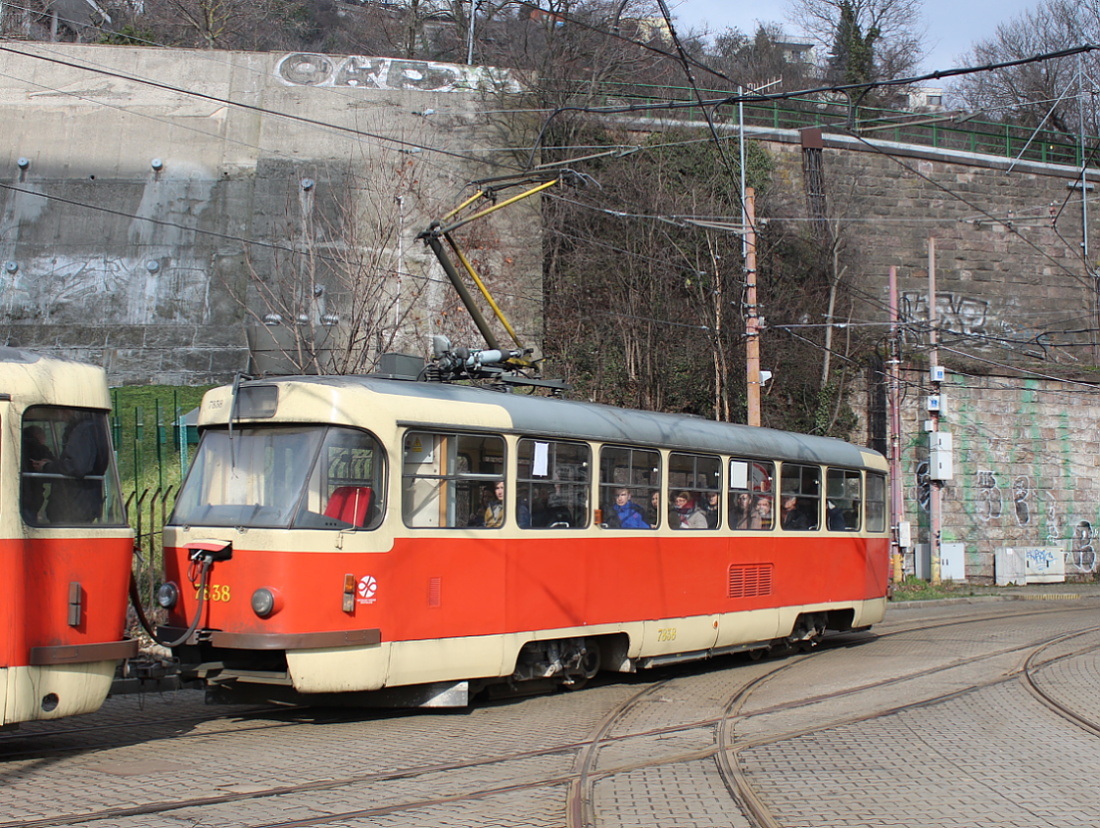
{"x": 940, "y": 463}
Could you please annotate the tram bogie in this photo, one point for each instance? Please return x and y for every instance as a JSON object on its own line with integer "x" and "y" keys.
{"x": 416, "y": 541}
{"x": 66, "y": 550}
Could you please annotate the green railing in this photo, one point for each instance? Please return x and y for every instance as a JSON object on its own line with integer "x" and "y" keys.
{"x": 944, "y": 130}
{"x": 153, "y": 448}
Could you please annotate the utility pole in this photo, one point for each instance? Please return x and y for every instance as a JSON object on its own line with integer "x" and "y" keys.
{"x": 934, "y": 480}
{"x": 894, "y": 389}
{"x": 470, "y": 34}
{"x": 752, "y": 319}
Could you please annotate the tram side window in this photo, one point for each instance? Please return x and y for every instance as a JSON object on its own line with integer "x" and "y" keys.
{"x": 876, "y": 502}
{"x": 800, "y": 497}
{"x": 629, "y": 479}
{"x": 843, "y": 496}
{"x": 451, "y": 480}
{"x": 347, "y": 486}
{"x": 750, "y": 496}
{"x": 553, "y": 484}
{"x": 68, "y": 470}
{"x": 694, "y": 491}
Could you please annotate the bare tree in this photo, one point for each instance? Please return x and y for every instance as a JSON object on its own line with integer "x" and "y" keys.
{"x": 889, "y": 28}
{"x": 762, "y": 59}
{"x": 1056, "y": 93}
{"x": 343, "y": 296}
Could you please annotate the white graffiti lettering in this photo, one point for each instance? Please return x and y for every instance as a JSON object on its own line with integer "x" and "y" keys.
{"x": 988, "y": 496}
{"x": 305, "y": 69}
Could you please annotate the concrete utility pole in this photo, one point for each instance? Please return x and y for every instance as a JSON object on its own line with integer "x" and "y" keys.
{"x": 892, "y": 371}
{"x": 935, "y": 486}
{"x": 752, "y": 319}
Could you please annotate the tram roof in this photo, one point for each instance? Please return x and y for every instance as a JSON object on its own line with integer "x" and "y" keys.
{"x": 417, "y": 403}
{"x": 32, "y": 378}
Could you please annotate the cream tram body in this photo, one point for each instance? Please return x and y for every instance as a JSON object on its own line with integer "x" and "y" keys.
{"x": 357, "y": 518}
{"x": 66, "y": 571}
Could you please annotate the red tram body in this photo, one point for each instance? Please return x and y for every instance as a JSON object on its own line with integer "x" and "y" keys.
{"x": 65, "y": 546}
{"x": 339, "y": 536}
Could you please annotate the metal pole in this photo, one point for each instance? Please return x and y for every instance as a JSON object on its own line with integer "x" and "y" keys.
{"x": 893, "y": 375}
{"x": 448, "y": 267}
{"x": 752, "y": 321}
{"x": 935, "y": 486}
{"x": 741, "y": 142}
{"x": 1084, "y": 166}
{"x": 470, "y": 34}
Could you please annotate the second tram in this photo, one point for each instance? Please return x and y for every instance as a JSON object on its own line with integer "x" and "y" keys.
{"x": 65, "y": 545}
{"x": 413, "y": 543}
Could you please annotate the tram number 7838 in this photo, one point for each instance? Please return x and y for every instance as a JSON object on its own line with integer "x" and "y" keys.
{"x": 214, "y": 592}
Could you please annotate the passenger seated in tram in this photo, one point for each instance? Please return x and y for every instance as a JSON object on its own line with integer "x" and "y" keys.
{"x": 745, "y": 512}
{"x": 624, "y": 513}
{"x": 494, "y": 512}
{"x": 77, "y": 498}
{"x": 686, "y": 515}
{"x": 653, "y": 511}
{"x": 793, "y": 520}
{"x": 33, "y": 490}
{"x": 763, "y": 512}
{"x": 709, "y": 505}
{"x": 834, "y": 518}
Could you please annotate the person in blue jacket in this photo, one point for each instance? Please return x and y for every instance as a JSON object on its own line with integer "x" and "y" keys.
{"x": 625, "y": 513}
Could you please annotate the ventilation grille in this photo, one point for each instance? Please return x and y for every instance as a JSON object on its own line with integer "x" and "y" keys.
{"x": 750, "y": 580}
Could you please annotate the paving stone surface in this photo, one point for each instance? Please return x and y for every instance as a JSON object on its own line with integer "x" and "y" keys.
{"x": 926, "y": 721}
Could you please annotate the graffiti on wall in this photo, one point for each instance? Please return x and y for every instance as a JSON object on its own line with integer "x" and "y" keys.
{"x": 987, "y": 496}
{"x": 1082, "y": 556}
{"x": 963, "y": 314}
{"x": 1054, "y": 525}
{"x": 924, "y": 486}
{"x": 304, "y": 69}
{"x": 1021, "y": 492}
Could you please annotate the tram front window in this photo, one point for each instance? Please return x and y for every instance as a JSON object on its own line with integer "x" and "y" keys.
{"x": 312, "y": 477}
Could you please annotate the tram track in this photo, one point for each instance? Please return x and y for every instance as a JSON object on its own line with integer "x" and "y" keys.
{"x": 731, "y": 749}
{"x": 578, "y": 783}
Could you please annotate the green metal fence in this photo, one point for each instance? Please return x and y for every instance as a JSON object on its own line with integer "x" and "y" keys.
{"x": 942, "y": 130}
{"x": 154, "y": 442}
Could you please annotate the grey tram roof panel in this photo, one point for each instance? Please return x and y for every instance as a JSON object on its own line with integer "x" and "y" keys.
{"x": 568, "y": 419}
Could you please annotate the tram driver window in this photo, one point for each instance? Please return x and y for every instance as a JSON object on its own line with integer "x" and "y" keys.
{"x": 451, "y": 480}
{"x": 751, "y": 495}
{"x": 628, "y": 479}
{"x": 800, "y": 498}
{"x": 347, "y": 487}
{"x": 553, "y": 484}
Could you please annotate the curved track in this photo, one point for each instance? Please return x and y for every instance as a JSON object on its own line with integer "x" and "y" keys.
{"x": 579, "y": 759}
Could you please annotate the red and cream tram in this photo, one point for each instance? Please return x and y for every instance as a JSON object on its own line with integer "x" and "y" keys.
{"x": 413, "y": 543}
{"x": 65, "y": 546}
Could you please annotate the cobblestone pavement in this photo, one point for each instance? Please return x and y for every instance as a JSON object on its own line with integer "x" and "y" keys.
{"x": 927, "y": 721}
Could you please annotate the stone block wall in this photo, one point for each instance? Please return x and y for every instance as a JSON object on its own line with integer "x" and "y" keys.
{"x": 1025, "y": 456}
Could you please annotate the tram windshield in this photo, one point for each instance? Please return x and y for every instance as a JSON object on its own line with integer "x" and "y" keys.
{"x": 309, "y": 477}
{"x": 68, "y": 469}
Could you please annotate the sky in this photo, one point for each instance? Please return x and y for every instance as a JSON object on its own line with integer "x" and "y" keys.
{"x": 952, "y": 25}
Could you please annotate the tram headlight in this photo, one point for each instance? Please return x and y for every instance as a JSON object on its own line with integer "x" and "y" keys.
{"x": 168, "y": 595}
{"x": 266, "y": 601}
